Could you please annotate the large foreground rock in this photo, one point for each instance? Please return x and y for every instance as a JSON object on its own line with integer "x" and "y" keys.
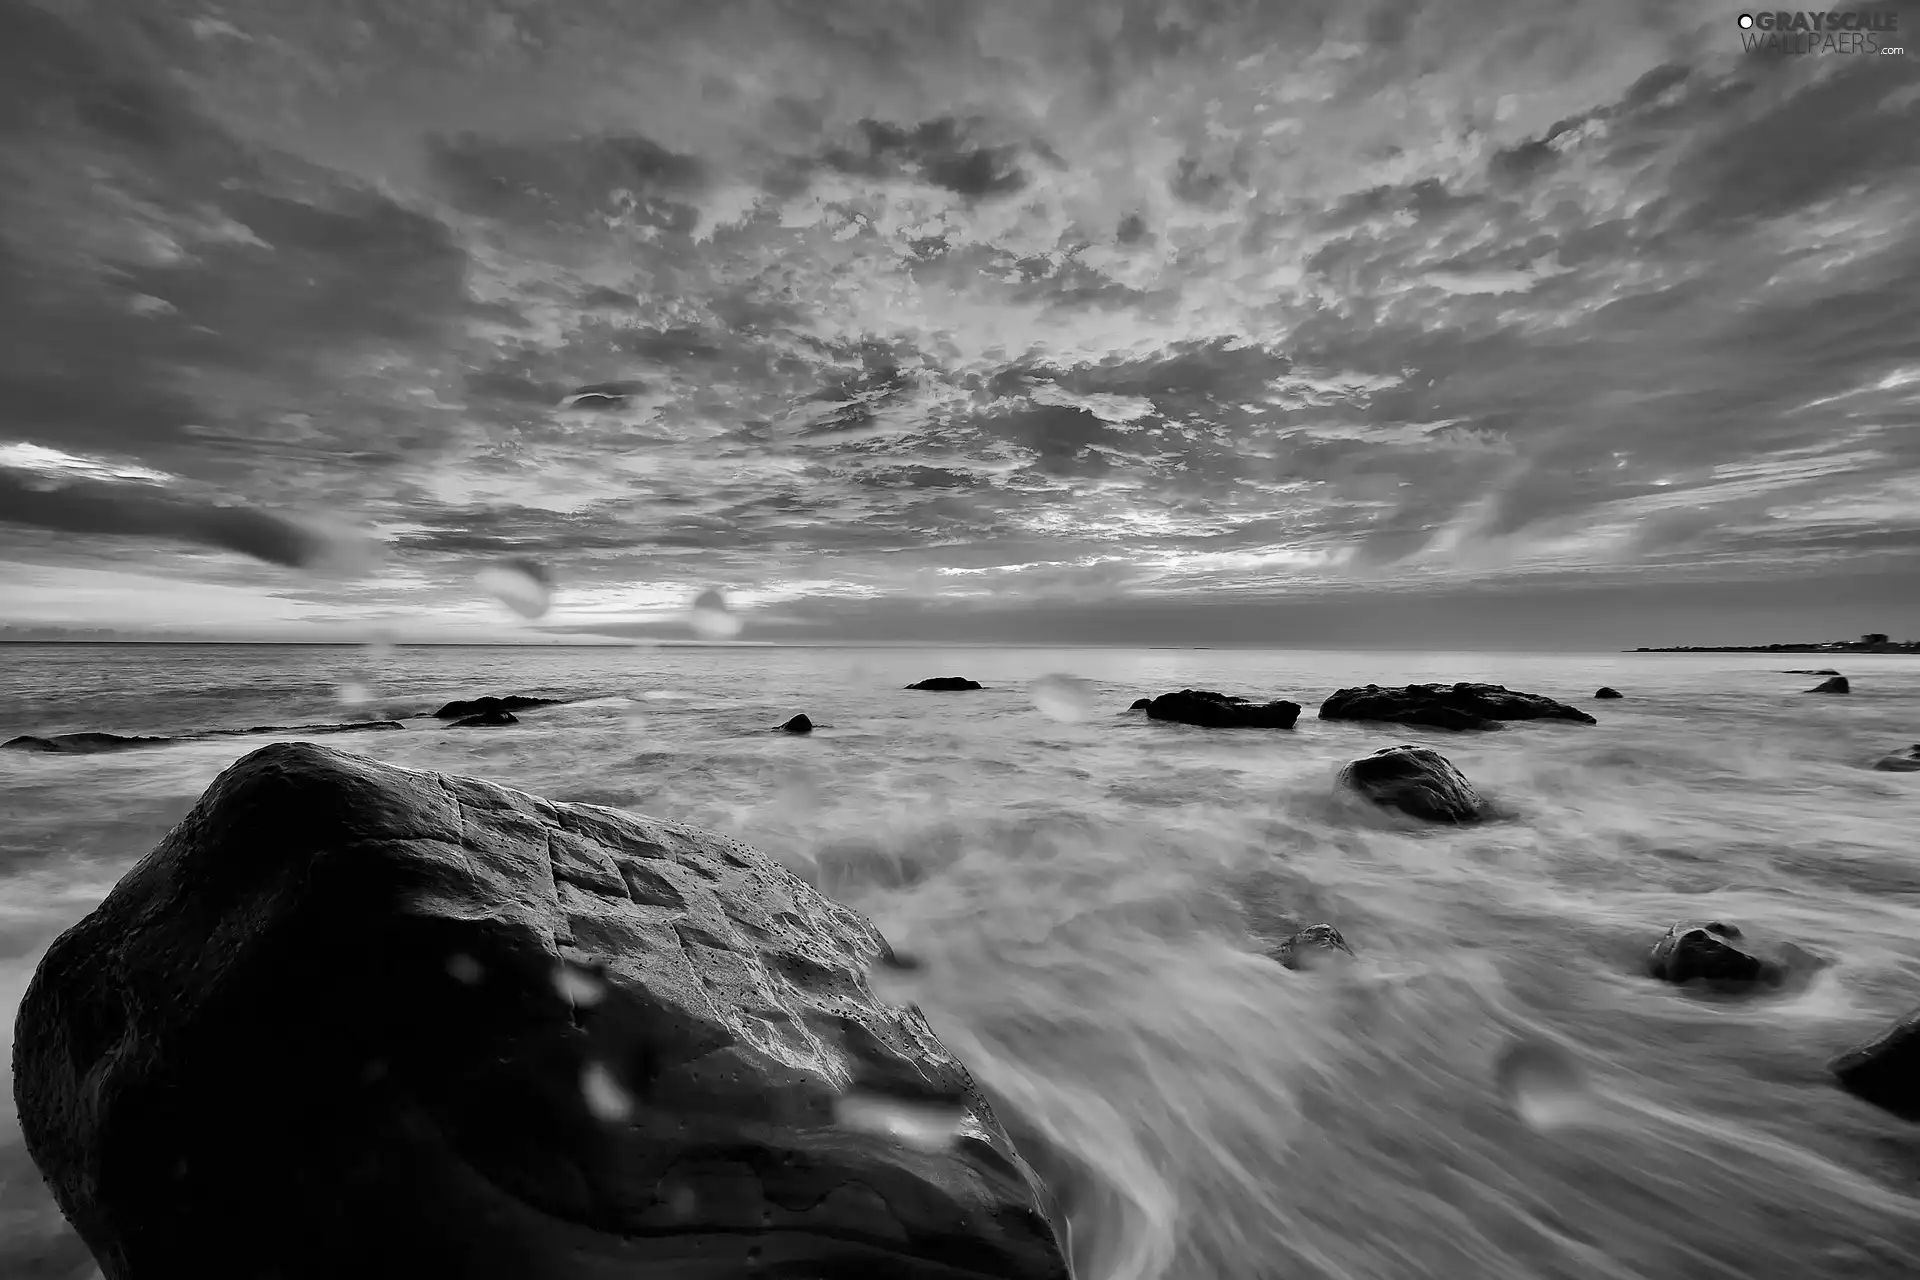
{"x": 350, "y": 1020}
{"x": 1456, "y": 706}
{"x": 1907, "y": 761}
{"x": 1886, "y": 1070}
{"x": 1222, "y": 711}
{"x": 1415, "y": 780}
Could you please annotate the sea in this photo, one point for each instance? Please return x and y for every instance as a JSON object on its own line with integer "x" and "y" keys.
{"x": 1095, "y": 898}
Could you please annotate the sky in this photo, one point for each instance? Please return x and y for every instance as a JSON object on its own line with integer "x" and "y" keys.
{"x": 1571, "y": 323}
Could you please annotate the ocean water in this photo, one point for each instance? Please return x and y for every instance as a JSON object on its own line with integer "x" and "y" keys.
{"x": 1092, "y": 898}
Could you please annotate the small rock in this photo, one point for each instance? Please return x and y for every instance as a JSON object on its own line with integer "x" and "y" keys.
{"x": 1717, "y": 954}
{"x": 1606, "y": 691}
{"x": 478, "y": 706}
{"x": 1416, "y": 780}
{"x": 1457, "y": 706}
{"x": 1907, "y": 761}
{"x": 799, "y": 724}
{"x": 1838, "y": 684}
{"x": 485, "y": 720}
{"x": 1886, "y": 1070}
{"x": 946, "y": 684}
{"x": 1312, "y": 948}
{"x": 1811, "y": 671}
{"x": 1222, "y": 711}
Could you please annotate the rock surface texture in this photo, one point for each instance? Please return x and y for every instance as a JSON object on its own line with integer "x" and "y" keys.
{"x": 485, "y": 720}
{"x": 355, "y": 1020}
{"x": 945, "y": 684}
{"x": 1222, "y": 711}
{"x": 1443, "y": 706}
{"x": 1314, "y": 947}
{"x": 1886, "y": 1070}
{"x": 1415, "y": 780}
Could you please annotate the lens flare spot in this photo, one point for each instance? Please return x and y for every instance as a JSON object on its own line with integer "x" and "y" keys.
{"x": 1065, "y": 698}
{"x": 524, "y": 586}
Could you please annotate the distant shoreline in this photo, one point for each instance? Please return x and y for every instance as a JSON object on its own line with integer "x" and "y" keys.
{"x": 1908, "y": 650}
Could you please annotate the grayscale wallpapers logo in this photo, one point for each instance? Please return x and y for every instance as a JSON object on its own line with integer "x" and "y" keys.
{"x": 1874, "y": 33}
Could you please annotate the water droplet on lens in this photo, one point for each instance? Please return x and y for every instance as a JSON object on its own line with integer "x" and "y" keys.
{"x": 633, "y": 716}
{"x": 581, "y": 987}
{"x": 522, "y": 585}
{"x": 465, "y": 968}
{"x": 681, "y": 1202}
{"x": 897, "y": 979}
{"x": 930, "y": 1126}
{"x": 711, "y": 618}
{"x": 605, "y": 1096}
{"x": 380, "y": 645}
{"x": 353, "y": 694}
{"x": 1545, "y": 1087}
{"x": 1065, "y": 698}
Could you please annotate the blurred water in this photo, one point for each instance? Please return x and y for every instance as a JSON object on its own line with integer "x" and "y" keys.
{"x": 1088, "y": 901}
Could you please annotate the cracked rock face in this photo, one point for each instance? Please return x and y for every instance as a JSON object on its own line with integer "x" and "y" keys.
{"x": 349, "y": 1016}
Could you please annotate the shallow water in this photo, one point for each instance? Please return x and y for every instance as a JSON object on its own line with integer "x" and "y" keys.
{"x": 1091, "y": 899}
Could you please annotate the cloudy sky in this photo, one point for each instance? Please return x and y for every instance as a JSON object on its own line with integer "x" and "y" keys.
{"x": 1029, "y": 320}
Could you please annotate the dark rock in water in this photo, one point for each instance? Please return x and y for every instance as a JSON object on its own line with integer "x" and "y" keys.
{"x": 1837, "y": 684}
{"x": 1907, "y": 761}
{"x": 1457, "y": 706}
{"x": 80, "y": 744}
{"x": 946, "y": 684}
{"x": 486, "y": 720}
{"x": 1312, "y": 947}
{"x": 1141, "y": 704}
{"x": 1720, "y": 956}
{"x": 480, "y": 706}
{"x": 1811, "y": 671}
{"x": 1886, "y": 1070}
{"x": 1415, "y": 780}
{"x": 799, "y": 724}
{"x": 565, "y": 1041}
{"x": 354, "y": 726}
{"x": 1222, "y": 711}
{"x": 1606, "y": 691}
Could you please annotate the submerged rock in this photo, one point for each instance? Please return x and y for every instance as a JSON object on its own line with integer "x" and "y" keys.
{"x": 493, "y": 719}
{"x": 1312, "y": 948}
{"x": 946, "y": 684}
{"x": 1811, "y": 671}
{"x": 1456, "y": 706}
{"x": 1886, "y": 1070}
{"x": 1415, "y": 780}
{"x": 1606, "y": 691}
{"x": 352, "y": 1019}
{"x": 1907, "y": 761}
{"x": 1718, "y": 955}
{"x": 481, "y": 706}
{"x": 1222, "y": 711}
{"x": 1838, "y": 684}
{"x": 80, "y": 744}
{"x": 799, "y": 724}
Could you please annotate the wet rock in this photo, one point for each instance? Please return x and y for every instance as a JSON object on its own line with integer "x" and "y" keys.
{"x": 493, "y": 719}
{"x": 1837, "y": 684}
{"x": 1606, "y": 691}
{"x": 1213, "y": 710}
{"x": 1811, "y": 671}
{"x": 1141, "y": 704}
{"x": 1907, "y": 761}
{"x": 799, "y": 724}
{"x": 1313, "y": 947}
{"x": 212, "y": 1083}
{"x": 1415, "y": 780}
{"x": 80, "y": 744}
{"x": 1718, "y": 955}
{"x": 1885, "y": 1071}
{"x": 946, "y": 684}
{"x": 1456, "y": 706}
{"x": 480, "y": 706}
